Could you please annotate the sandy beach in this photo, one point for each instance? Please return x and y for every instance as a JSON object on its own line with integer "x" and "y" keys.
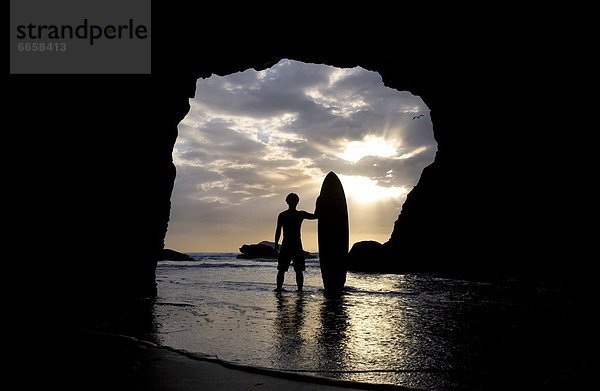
{"x": 117, "y": 362}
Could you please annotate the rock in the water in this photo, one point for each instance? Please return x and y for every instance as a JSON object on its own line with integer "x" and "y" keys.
{"x": 264, "y": 249}
{"x": 260, "y": 250}
{"x": 267, "y": 243}
{"x": 368, "y": 256}
{"x": 172, "y": 255}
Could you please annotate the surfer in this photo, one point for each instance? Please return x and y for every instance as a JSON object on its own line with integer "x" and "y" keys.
{"x": 290, "y": 221}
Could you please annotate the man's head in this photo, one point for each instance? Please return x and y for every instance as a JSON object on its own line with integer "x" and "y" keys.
{"x": 292, "y": 199}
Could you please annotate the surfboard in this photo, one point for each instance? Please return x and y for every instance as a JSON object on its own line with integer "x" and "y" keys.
{"x": 332, "y": 211}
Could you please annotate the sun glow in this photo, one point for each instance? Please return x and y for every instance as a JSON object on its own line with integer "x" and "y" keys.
{"x": 369, "y": 146}
{"x": 365, "y": 190}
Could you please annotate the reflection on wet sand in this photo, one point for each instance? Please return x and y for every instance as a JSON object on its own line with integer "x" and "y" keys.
{"x": 332, "y": 335}
{"x": 289, "y": 325}
{"x": 342, "y": 340}
{"x": 311, "y": 328}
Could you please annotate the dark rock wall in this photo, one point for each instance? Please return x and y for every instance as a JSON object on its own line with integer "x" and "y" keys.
{"x": 97, "y": 194}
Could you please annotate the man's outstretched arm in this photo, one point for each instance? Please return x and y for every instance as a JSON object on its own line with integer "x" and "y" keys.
{"x": 310, "y": 216}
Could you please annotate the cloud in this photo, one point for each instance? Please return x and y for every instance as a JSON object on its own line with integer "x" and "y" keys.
{"x": 254, "y": 136}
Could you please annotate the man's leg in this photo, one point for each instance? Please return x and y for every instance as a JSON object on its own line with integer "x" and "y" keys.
{"x": 299, "y": 280}
{"x": 283, "y": 264}
{"x": 299, "y": 267}
{"x": 280, "y": 277}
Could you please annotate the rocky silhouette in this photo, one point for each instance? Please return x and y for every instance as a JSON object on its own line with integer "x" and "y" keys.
{"x": 172, "y": 255}
{"x": 260, "y": 250}
{"x": 369, "y": 256}
{"x": 264, "y": 249}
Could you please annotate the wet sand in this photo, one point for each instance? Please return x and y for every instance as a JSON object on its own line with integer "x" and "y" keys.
{"x": 116, "y": 362}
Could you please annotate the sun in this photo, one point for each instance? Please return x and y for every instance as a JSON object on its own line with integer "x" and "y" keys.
{"x": 366, "y": 190}
{"x": 369, "y": 146}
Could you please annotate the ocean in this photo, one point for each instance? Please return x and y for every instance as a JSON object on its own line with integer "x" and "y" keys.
{"x": 424, "y": 330}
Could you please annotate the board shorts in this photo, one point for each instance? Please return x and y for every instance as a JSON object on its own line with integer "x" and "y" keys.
{"x": 286, "y": 256}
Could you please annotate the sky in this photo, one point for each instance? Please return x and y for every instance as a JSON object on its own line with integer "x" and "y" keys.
{"x": 252, "y": 137}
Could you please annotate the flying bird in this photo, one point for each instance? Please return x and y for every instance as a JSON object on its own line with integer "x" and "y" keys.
{"x": 417, "y": 116}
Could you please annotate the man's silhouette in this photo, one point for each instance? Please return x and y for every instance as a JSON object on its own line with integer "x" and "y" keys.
{"x": 291, "y": 247}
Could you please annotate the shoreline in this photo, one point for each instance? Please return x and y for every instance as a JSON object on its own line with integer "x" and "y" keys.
{"x": 207, "y": 372}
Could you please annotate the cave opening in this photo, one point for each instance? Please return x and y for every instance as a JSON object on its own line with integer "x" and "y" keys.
{"x": 253, "y": 136}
